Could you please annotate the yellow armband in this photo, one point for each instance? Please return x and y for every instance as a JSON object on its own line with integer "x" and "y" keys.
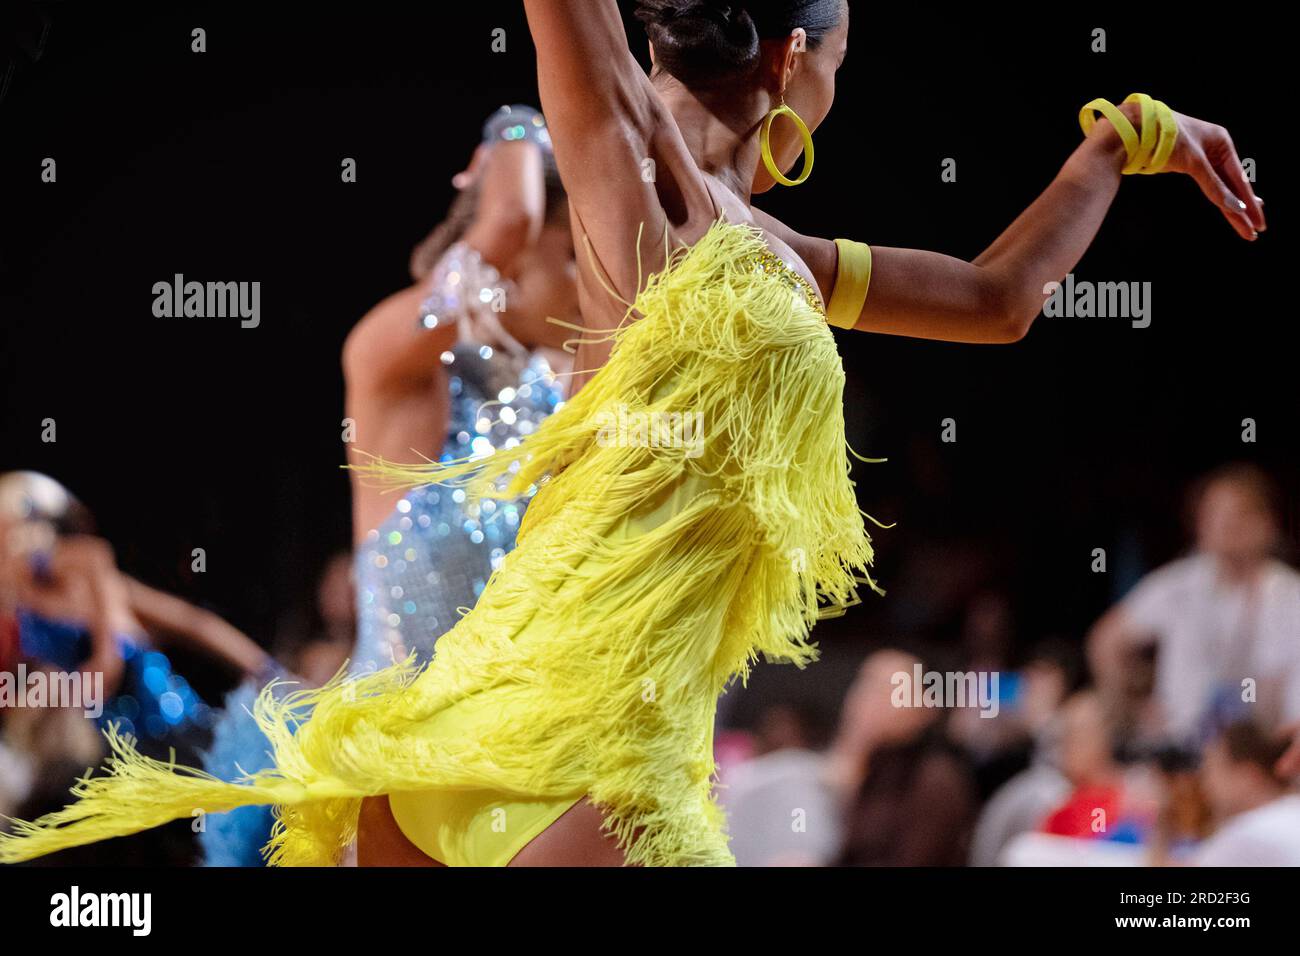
{"x": 852, "y": 277}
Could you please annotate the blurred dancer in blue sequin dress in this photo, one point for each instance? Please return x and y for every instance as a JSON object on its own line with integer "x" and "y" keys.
{"x": 459, "y": 364}
{"x": 463, "y": 361}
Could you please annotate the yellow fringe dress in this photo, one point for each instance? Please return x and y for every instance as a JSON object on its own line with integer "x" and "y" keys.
{"x": 654, "y": 566}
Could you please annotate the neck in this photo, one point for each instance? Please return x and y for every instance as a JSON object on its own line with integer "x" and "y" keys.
{"x": 720, "y": 129}
{"x": 1240, "y": 569}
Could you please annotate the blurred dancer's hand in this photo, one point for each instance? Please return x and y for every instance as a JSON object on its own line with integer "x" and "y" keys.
{"x": 110, "y": 665}
{"x": 466, "y": 177}
{"x": 81, "y": 554}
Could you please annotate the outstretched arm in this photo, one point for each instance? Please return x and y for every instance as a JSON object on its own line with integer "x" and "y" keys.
{"x": 996, "y": 297}
{"x": 195, "y": 627}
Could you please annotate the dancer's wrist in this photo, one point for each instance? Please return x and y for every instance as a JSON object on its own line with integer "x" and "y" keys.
{"x": 1106, "y": 138}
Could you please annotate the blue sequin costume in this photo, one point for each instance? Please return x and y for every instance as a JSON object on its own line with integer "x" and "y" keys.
{"x": 431, "y": 556}
{"x": 153, "y": 703}
{"x": 434, "y": 554}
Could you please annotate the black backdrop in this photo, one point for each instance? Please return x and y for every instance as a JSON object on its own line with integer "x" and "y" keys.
{"x": 184, "y": 433}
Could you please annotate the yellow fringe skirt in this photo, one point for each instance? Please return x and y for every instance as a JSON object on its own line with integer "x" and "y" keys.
{"x": 695, "y": 512}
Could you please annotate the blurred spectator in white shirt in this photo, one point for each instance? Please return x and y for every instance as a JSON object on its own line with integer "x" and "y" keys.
{"x": 1225, "y": 620}
{"x": 1259, "y": 819}
{"x": 780, "y": 811}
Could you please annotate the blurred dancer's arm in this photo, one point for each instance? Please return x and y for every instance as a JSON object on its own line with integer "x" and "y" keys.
{"x": 396, "y": 384}
{"x": 171, "y": 616}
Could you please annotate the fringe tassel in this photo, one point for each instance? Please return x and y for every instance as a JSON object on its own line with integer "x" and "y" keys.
{"x": 646, "y": 577}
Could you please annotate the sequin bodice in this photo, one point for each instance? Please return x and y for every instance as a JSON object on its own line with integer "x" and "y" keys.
{"x": 769, "y": 262}
{"x": 434, "y": 553}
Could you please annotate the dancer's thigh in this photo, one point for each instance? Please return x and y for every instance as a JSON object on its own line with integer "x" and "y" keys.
{"x": 575, "y": 839}
{"x": 380, "y": 842}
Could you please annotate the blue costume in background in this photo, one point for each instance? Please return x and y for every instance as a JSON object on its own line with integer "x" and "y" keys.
{"x": 153, "y": 703}
{"x": 434, "y": 553}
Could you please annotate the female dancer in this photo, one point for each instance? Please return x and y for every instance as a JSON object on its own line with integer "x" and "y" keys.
{"x": 568, "y": 717}
{"x": 462, "y": 361}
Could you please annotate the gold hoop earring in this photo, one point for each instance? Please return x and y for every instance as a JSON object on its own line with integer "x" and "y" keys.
{"x": 765, "y": 145}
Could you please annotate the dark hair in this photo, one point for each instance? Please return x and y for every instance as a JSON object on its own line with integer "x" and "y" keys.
{"x": 1248, "y": 742}
{"x": 703, "y": 42}
{"x": 1065, "y": 656}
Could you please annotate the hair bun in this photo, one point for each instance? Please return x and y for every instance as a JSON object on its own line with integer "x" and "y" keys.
{"x": 698, "y": 41}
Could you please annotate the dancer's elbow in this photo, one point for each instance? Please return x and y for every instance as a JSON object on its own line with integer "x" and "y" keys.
{"x": 1014, "y": 325}
{"x": 1008, "y": 314}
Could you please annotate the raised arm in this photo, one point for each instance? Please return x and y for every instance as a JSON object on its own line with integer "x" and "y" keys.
{"x": 619, "y": 153}
{"x": 996, "y": 297}
{"x": 396, "y": 384}
{"x": 387, "y": 352}
{"x": 601, "y": 112}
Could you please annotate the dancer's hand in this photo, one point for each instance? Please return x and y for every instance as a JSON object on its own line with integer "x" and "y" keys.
{"x": 466, "y": 177}
{"x": 1205, "y": 152}
{"x": 92, "y": 560}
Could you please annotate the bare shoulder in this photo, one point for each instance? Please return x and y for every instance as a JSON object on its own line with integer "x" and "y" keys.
{"x": 817, "y": 258}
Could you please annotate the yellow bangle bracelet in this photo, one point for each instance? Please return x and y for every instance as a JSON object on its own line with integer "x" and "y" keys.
{"x": 1148, "y": 152}
{"x": 1168, "y": 136}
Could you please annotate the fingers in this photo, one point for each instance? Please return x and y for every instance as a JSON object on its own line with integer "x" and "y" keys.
{"x": 1230, "y": 172}
{"x": 1235, "y": 210}
{"x": 466, "y": 177}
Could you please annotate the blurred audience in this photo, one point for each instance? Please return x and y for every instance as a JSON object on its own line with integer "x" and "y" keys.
{"x": 1223, "y": 620}
{"x": 907, "y": 799}
{"x": 1258, "y": 819}
{"x": 1051, "y": 674}
{"x": 1102, "y": 803}
{"x": 780, "y": 810}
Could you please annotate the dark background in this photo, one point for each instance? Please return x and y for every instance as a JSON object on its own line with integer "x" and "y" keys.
{"x": 184, "y": 433}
